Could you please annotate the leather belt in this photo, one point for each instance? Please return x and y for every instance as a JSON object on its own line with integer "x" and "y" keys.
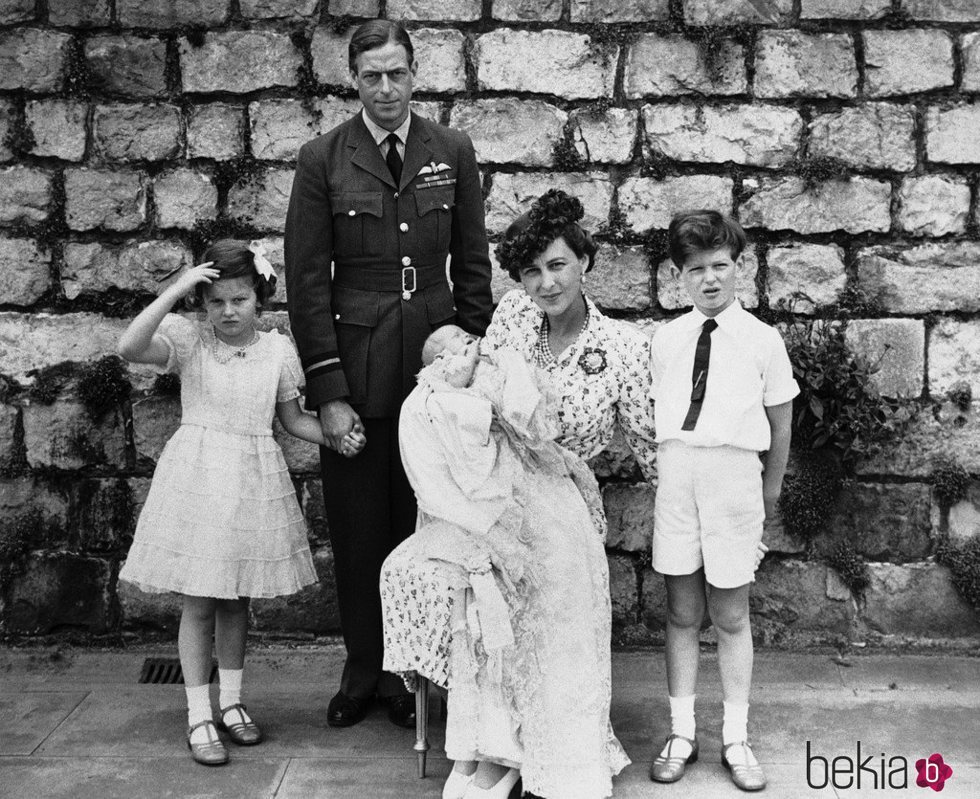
{"x": 405, "y": 280}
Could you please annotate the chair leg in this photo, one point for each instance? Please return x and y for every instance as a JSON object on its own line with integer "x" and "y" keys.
{"x": 422, "y": 722}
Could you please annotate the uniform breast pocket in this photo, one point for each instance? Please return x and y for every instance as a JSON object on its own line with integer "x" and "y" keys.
{"x": 435, "y": 209}
{"x": 356, "y": 315}
{"x": 357, "y": 223}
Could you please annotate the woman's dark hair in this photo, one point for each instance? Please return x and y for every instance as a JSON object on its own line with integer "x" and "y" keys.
{"x": 553, "y": 215}
{"x": 377, "y": 33}
{"x": 703, "y": 231}
{"x": 233, "y": 259}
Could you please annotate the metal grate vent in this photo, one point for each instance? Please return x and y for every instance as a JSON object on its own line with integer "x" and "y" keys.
{"x": 167, "y": 671}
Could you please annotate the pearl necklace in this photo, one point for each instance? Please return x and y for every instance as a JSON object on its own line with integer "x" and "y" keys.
{"x": 223, "y": 352}
{"x": 542, "y": 348}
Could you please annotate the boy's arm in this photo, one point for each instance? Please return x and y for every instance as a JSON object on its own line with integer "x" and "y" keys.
{"x": 774, "y": 461}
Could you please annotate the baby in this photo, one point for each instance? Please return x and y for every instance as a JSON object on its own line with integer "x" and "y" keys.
{"x": 475, "y": 433}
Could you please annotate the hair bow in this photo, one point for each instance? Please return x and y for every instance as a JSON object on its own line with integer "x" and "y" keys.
{"x": 262, "y": 265}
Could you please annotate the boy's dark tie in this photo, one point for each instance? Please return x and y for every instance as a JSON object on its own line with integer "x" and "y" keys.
{"x": 699, "y": 378}
{"x": 393, "y": 159}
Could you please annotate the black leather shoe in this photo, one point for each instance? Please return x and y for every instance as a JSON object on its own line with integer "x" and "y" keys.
{"x": 401, "y": 710}
{"x": 346, "y": 711}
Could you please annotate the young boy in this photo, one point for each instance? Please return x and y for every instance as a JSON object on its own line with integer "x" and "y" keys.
{"x": 714, "y": 491}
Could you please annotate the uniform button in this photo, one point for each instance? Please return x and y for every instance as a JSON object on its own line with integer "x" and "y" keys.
{"x": 396, "y": 195}
{"x": 351, "y": 212}
{"x": 403, "y": 227}
{"x": 406, "y": 261}
{"x": 336, "y": 317}
{"x": 445, "y": 206}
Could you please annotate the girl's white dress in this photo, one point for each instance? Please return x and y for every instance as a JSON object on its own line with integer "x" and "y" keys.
{"x": 221, "y": 518}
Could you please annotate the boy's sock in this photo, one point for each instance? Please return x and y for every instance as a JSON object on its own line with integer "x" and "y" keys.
{"x": 229, "y": 687}
{"x": 198, "y": 710}
{"x": 734, "y": 727}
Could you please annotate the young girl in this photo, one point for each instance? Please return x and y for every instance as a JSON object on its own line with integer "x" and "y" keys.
{"x": 221, "y": 522}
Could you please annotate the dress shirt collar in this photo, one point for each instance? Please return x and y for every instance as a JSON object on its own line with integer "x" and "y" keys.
{"x": 379, "y": 134}
{"x": 726, "y": 320}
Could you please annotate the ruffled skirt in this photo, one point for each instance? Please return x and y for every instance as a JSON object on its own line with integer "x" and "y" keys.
{"x": 221, "y": 520}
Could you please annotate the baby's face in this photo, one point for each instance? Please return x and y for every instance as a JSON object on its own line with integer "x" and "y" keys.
{"x": 458, "y": 353}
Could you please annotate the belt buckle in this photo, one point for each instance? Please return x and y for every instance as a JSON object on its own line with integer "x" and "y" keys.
{"x": 408, "y": 271}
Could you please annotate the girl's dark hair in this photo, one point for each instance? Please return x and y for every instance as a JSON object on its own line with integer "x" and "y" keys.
{"x": 553, "y": 215}
{"x": 233, "y": 259}
{"x": 377, "y": 33}
{"x": 703, "y": 231}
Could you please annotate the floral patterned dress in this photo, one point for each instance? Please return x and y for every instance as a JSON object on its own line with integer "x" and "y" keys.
{"x": 221, "y": 518}
{"x": 556, "y": 678}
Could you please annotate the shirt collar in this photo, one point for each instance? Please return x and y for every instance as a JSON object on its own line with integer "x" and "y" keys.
{"x": 726, "y": 319}
{"x": 379, "y": 134}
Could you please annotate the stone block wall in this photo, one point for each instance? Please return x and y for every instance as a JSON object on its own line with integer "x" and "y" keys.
{"x": 844, "y": 134}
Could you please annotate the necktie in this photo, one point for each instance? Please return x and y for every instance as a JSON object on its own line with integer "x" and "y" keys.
{"x": 699, "y": 377}
{"x": 393, "y": 159}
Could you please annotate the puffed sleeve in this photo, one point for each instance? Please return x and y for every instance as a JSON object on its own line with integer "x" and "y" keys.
{"x": 505, "y": 330}
{"x": 779, "y": 386}
{"x": 634, "y": 410}
{"x": 290, "y": 372}
{"x": 180, "y": 335}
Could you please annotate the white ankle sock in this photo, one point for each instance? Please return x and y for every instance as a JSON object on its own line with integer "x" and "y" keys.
{"x": 198, "y": 709}
{"x": 734, "y": 726}
{"x": 682, "y": 716}
{"x": 229, "y": 687}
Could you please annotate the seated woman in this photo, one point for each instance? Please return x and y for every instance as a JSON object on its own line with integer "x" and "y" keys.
{"x": 537, "y": 708}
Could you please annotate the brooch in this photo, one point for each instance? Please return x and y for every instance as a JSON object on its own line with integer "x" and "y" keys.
{"x": 592, "y": 360}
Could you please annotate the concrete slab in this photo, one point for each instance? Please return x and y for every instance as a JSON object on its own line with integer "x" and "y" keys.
{"x": 75, "y": 723}
{"x": 379, "y": 778}
{"x": 130, "y": 721}
{"x": 147, "y": 776}
{"x": 29, "y": 718}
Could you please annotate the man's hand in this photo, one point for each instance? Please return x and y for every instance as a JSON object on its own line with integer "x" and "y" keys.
{"x": 337, "y": 419}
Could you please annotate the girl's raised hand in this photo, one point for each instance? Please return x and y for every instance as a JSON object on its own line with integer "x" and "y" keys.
{"x": 202, "y": 273}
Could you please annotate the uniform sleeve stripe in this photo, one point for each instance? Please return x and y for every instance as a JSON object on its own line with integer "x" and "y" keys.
{"x": 322, "y": 368}
{"x": 316, "y": 358}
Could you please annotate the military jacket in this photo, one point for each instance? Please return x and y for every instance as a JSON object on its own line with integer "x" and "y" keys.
{"x": 359, "y": 324}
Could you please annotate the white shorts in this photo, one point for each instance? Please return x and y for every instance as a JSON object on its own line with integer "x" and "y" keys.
{"x": 708, "y": 512}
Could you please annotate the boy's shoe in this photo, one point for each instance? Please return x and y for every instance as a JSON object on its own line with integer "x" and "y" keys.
{"x": 669, "y": 767}
{"x": 746, "y": 772}
{"x": 242, "y": 731}
{"x": 210, "y": 753}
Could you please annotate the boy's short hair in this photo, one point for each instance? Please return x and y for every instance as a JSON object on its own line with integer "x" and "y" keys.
{"x": 701, "y": 230}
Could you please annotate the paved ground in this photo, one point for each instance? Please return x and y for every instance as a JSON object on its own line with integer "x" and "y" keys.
{"x": 78, "y": 725}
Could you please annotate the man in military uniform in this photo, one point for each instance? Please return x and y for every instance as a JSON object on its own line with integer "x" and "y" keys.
{"x": 386, "y": 196}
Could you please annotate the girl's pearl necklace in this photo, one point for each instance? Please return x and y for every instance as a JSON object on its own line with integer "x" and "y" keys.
{"x": 223, "y": 353}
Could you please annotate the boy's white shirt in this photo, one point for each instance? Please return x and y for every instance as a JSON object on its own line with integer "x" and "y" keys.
{"x": 749, "y": 370}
